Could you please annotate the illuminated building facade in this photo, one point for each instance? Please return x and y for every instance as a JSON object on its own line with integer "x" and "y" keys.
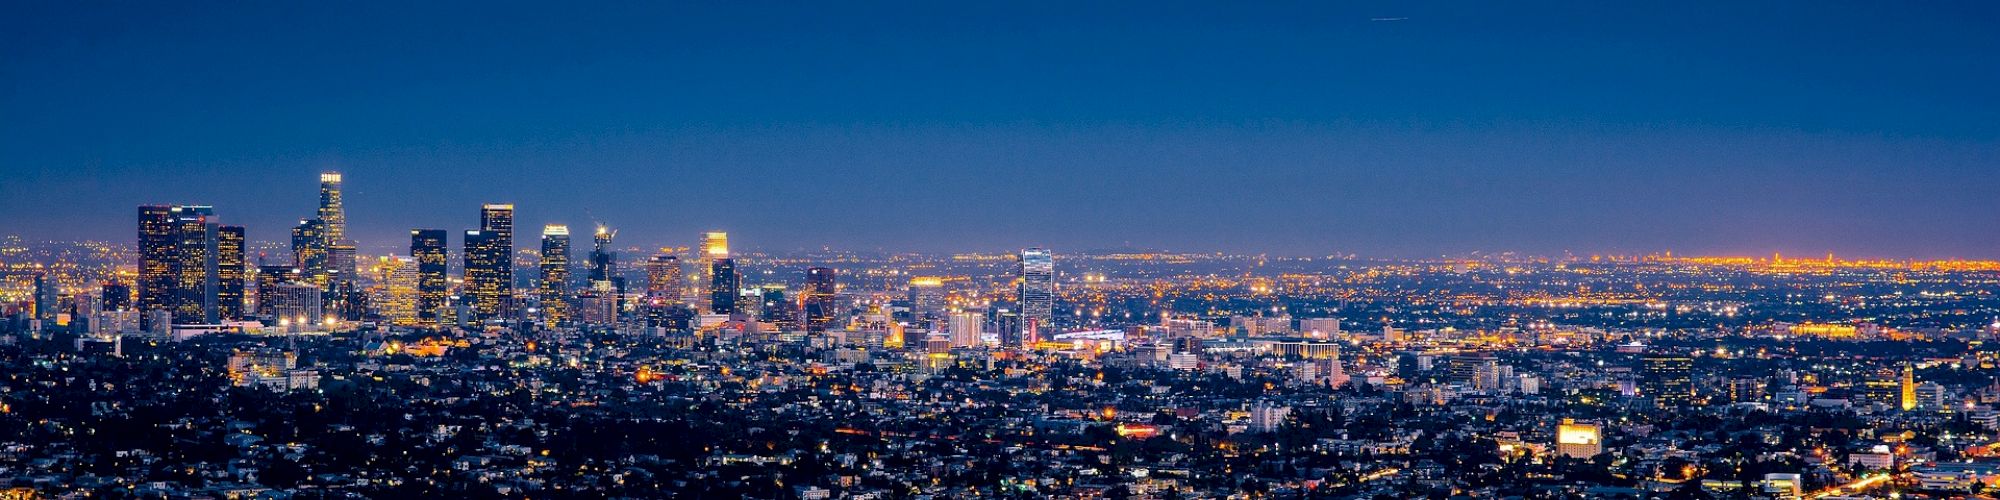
{"x": 820, "y": 294}
{"x": 44, "y": 298}
{"x": 722, "y": 286}
{"x": 332, "y": 213}
{"x": 268, "y": 279}
{"x": 489, "y": 263}
{"x": 714, "y": 245}
{"x": 1037, "y": 293}
{"x": 1667, "y": 379}
{"x": 319, "y": 244}
{"x": 297, "y": 307}
{"x": 114, "y": 296}
{"x": 156, "y": 261}
{"x": 1578, "y": 440}
{"x": 927, "y": 299}
{"x": 967, "y": 329}
{"x": 604, "y": 262}
{"x": 230, "y": 271}
{"x": 309, "y": 251}
{"x": 1908, "y": 399}
{"x": 195, "y": 266}
{"x": 554, "y": 289}
{"x": 663, "y": 278}
{"x": 428, "y": 248}
{"x": 397, "y": 297}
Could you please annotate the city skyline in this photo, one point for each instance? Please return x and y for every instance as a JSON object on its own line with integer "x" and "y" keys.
{"x": 1381, "y": 130}
{"x": 313, "y": 230}
{"x": 1107, "y": 250}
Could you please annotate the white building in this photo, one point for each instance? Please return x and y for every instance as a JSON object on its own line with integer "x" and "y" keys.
{"x": 967, "y": 329}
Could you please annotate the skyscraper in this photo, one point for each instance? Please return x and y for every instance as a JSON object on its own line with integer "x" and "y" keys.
{"x": 714, "y": 245}
{"x": 230, "y": 270}
{"x": 603, "y": 261}
{"x": 427, "y": 246}
{"x": 663, "y": 278}
{"x": 967, "y": 329}
{"x": 340, "y": 263}
{"x": 396, "y": 297}
{"x": 722, "y": 286}
{"x": 45, "y": 298}
{"x": 340, "y": 266}
{"x": 331, "y": 211}
{"x": 196, "y": 274}
{"x": 115, "y": 296}
{"x": 489, "y": 263}
{"x": 309, "y": 252}
{"x": 774, "y": 308}
{"x": 268, "y": 279}
{"x": 927, "y": 300}
{"x": 819, "y": 298}
{"x": 1667, "y": 379}
{"x": 555, "y": 290}
{"x": 156, "y": 262}
{"x": 1037, "y": 295}
{"x": 1907, "y": 399}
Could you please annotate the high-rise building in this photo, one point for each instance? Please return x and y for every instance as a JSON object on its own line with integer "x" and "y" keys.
{"x": 298, "y": 307}
{"x": 555, "y": 290}
{"x": 1908, "y": 399}
{"x": 967, "y": 329}
{"x": 603, "y": 261}
{"x": 927, "y": 299}
{"x": 498, "y": 218}
{"x": 489, "y": 263}
{"x": 115, "y": 296}
{"x": 156, "y": 262}
{"x": 714, "y": 245}
{"x": 340, "y": 266}
{"x": 821, "y": 291}
{"x": 309, "y": 251}
{"x": 428, "y": 246}
{"x": 484, "y": 281}
{"x": 773, "y": 307}
{"x": 268, "y": 279}
{"x": 1007, "y": 323}
{"x": 1667, "y": 379}
{"x": 320, "y": 248}
{"x": 45, "y": 298}
{"x": 663, "y": 278}
{"x": 722, "y": 286}
{"x": 396, "y": 297}
{"x": 332, "y": 213}
{"x": 230, "y": 271}
{"x": 1037, "y": 294}
{"x": 195, "y": 266}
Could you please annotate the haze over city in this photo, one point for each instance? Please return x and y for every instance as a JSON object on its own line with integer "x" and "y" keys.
{"x": 1380, "y": 128}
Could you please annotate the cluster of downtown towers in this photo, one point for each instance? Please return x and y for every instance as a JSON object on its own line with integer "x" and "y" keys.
{"x": 192, "y": 271}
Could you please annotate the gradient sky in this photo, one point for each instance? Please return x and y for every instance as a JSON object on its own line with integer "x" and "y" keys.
{"x": 1383, "y": 128}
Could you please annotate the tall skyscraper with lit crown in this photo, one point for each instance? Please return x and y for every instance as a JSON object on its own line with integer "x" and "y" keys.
{"x": 332, "y": 211}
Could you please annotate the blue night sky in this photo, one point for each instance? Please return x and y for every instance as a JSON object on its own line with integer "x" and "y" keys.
{"x": 1383, "y": 128}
